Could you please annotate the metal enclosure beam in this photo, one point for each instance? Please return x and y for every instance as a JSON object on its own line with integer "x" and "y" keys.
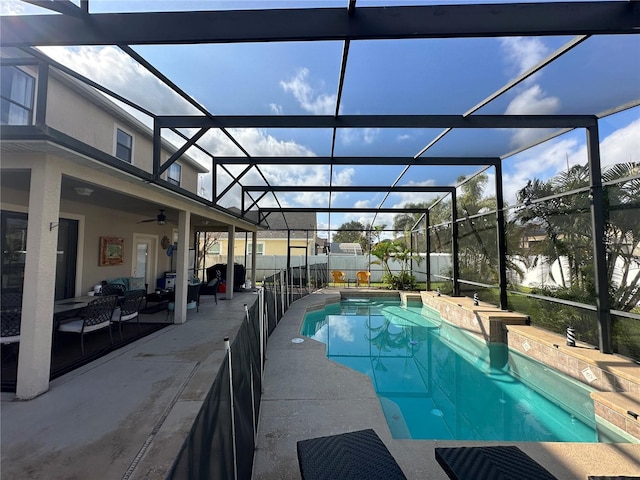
{"x": 473, "y": 161}
{"x": 376, "y": 121}
{"x": 598, "y": 237}
{"x": 501, "y": 238}
{"x": 427, "y": 221}
{"x": 337, "y": 210}
{"x": 340, "y": 188}
{"x": 454, "y": 245}
{"x": 322, "y": 24}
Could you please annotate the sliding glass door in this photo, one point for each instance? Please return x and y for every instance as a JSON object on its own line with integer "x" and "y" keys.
{"x": 14, "y": 250}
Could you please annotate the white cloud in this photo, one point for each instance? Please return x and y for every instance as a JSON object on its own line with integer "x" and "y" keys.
{"x": 13, "y": 7}
{"x": 522, "y": 53}
{"x": 549, "y": 158}
{"x": 343, "y": 176}
{"x": 403, "y": 138}
{"x": 111, "y": 67}
{"x": 275, "y": 108}
{"x": 621, "y": 146}
{"x": 367, "y": 136}
{"x": 541, "y": 162}
{"x": 533, "y": 101}
{"x": 370, "y": 134}
{"x": 307, "y": 97}
{"x": 362, "y": 204}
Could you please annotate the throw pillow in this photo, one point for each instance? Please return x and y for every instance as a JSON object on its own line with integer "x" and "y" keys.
{"x": 120, "y": 281}
{"x": 136, "y": 283}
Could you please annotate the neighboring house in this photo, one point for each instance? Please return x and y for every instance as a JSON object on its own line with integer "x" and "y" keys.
{"x": 271, "y": 242}
{"x": 77, "y": 170}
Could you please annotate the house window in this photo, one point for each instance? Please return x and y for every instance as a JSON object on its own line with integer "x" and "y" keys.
{"x": 16, "y": 93}
{"x": 214, "y": 249}
{"x": 175, "y": 171}
{"x": 124, "y": 145}
{"x": 259, "y": 249}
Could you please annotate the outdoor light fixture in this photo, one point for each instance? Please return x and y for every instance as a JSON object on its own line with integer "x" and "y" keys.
{"x": 83, "y": 191}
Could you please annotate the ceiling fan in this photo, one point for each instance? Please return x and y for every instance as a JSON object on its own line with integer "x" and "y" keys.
{"x": 160, "y": 219}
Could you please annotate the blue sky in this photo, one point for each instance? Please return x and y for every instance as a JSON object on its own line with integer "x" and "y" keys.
{"x": 436, "y": 76}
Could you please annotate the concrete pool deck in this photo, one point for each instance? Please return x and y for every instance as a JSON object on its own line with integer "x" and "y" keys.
{"x": 306, "y": 395}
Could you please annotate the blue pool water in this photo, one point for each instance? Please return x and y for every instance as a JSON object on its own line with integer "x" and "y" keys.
{"x": 435, "y": 381}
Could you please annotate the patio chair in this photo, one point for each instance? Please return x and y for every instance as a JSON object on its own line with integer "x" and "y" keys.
{"x": 490, "y": 463}
{"x": 130, "y": 309}
{"x": 214, "y": 278}
{"x": 353, "y": 455}
{"x": 362, "y": 277}
{"x": 193, "y": 296}
{"x": 96, "y": 316}
{"x": 113, "y": 289}
{"x": 338, "y": 276}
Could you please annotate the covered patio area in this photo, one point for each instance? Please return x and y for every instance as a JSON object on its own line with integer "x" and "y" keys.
{"x": 66, "y": 354}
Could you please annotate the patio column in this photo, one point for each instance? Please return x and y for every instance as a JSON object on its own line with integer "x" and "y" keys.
{"x": 34, "y": 359}
{"x": 230, "y": 257}
{"x": 254, "y": 257}
{"x": 182, "y": 267}
{"x": 598, "y": 237}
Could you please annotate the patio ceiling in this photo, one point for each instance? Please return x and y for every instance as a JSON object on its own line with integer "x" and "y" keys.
{"x": 387, "y": 95}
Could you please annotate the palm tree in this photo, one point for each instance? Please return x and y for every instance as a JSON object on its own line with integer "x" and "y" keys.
{"x": 567, "y": 225}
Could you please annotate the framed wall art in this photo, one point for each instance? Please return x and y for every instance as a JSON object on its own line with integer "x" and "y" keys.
{"x": 111, "y": 251}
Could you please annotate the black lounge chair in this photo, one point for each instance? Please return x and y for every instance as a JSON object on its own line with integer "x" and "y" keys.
{"x": 357, "y": 455}
{"x": 614, "y": 477}
{"x": 490, "y": 463}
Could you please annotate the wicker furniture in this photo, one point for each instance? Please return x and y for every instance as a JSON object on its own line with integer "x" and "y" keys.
{"x": 359, "y": 455}
{"x": 490, "y": 463}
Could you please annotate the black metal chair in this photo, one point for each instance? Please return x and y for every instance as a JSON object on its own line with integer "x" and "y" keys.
{"x": 130, "y": 309}
{"x": 96, "y": 316}
{"x": 193, "y": 294}
{"x": 113, "y": 289}
{"x": 214, "y": 277}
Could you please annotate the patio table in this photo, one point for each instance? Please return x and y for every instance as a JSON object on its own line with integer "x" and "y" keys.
{"x": 160, "y": 299}
{"x": 69, "y": 305}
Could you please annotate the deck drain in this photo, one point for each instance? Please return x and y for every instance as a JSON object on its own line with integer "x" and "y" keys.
{"x": 297, "y": 340}
{"x": 437, "y": 412}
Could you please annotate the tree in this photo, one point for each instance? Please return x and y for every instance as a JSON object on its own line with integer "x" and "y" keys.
{"x": 373, "y": 233}
{"x": 566, "y": 223}
{"x": 383, "y": 251}
{"x": 206, "y": 240}
{"x": 477, "y": 235}
{"x": 351, "y": 232}
{"x": 404, "y": 222}
{"x": 386, "y": 250}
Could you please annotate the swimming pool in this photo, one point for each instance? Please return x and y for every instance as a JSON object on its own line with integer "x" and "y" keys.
{"x": 435, "y": 381}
